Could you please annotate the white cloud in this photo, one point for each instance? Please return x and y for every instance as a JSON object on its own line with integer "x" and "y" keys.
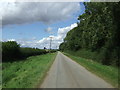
{"x": 28, "y": 12}
{"x": 11, "y": 40}
{"x": 49, "y": 0}
{"x": 45, "y": 42}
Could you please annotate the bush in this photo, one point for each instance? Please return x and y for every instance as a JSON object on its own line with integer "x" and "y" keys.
{"x": 53, "y": 50}
{"x": 25, "y": 52}
{"x": 12, "y": 51}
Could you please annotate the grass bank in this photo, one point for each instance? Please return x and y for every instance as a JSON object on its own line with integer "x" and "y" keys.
{"x": 97, "y": 56}
{"x": 0, "y": 75}
{"x": 108, "y": 73}
{"x": 26, "y": 73}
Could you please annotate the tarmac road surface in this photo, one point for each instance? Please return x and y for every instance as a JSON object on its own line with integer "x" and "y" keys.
{"x": 66, "y": 73}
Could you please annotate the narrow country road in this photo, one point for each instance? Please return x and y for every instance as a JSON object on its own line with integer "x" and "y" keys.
{"x": 66, "y": 73}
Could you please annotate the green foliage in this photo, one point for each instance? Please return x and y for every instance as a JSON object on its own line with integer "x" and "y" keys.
{"x": 108, "y": 73}
{"x": 53, "y": 50}
{"x": 27, "y": 73}
{"x": 62, "y": 46}
{"x": 0, "y": 52}
{"x": 98, "y": 31}
{"x": 25, "y": 52}
{"x": 12, "y": 51}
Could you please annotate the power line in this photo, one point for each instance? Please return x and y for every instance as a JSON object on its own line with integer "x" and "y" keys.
{"x": 50, "y": 42}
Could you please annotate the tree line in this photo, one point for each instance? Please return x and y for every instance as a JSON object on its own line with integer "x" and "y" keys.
{"x": 11, "y": 51}
{"x": 98, "y": 31}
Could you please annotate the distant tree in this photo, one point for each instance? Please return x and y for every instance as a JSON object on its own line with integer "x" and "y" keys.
{"x": 44, "y": 47}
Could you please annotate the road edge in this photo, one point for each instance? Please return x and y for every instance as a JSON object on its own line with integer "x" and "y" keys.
{"x": 44, "y": 76}
{"x": 100, "y": 76}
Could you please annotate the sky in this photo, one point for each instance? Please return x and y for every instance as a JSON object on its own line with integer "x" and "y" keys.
{"x": 31, "y": 24}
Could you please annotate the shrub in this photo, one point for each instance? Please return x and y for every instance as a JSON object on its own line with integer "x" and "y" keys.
{"x": 25, "y": 52}
{"x": 12, "y": 51}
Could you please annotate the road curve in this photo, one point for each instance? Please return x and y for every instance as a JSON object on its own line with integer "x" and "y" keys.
{"x": 66, "y": 73}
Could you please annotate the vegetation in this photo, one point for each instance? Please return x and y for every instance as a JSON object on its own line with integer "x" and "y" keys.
{"x": 97, "y": 33}
{"x": 0, "y": 75}
{"x": 27, "y": 73}
{"x": 11, "y": 51}
{"x": 31, "y": 51}
{"x": 19, "y": 70}
{"x": 0, "y": 50}
{"x": 108, "y": 73}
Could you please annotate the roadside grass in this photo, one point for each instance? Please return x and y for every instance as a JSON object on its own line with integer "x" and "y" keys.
{"x": 108, "y": 73}
{"x": 0, "y": 75}
{"x": 26, "y": 73}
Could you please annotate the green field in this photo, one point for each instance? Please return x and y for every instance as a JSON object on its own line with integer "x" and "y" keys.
{"x": 27, "y": 73}
{"x": 108, "y": 73}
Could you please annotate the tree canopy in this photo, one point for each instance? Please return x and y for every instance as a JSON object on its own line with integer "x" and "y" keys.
{"x": 98, "y": 31}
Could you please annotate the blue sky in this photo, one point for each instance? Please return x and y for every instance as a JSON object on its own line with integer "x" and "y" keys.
{"x": 35, "y": 32}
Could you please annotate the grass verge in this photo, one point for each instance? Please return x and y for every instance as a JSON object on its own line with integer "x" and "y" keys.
{"x": 108, "y": 73}
{"x": 26, "y": 73}
{"x": 0, "y": 75}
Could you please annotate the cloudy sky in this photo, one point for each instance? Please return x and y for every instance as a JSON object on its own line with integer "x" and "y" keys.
{"x": 32, "y": 24}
